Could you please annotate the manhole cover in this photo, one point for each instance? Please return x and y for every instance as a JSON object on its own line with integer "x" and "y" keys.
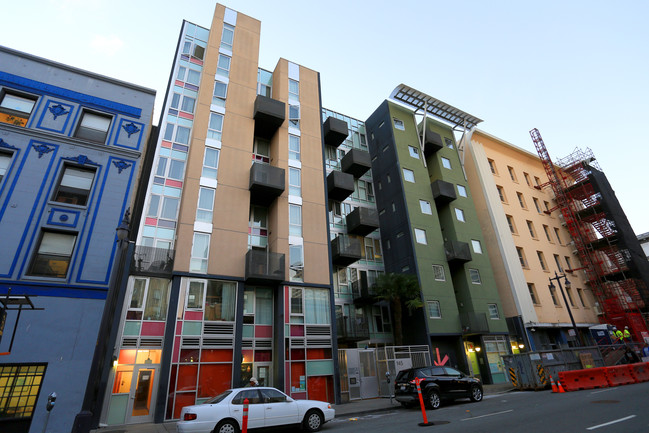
{"x": 605, "y": 401}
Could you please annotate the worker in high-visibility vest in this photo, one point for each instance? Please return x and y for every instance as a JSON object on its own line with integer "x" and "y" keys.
{"x": 619, "y": 337}
{"x": 626, "y": 334}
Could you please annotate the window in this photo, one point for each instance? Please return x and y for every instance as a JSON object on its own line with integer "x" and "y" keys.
{"x": 258, "y": 227}
{"x": 558, "y": 263}
{"x": 5, "y": 161}
{"x": 175, "y": 100}
{"x": 169, "y": 208}
{"x": 475, "y": 276}
{"x": 294, "y": 220}
{"x": 521, "y": 256}
{"x": 492, "y": 166}
{"x": 556, "y": 233}
{"x": 223, "y": 65}
{"x": 293, "y": 147}
{"x": 261, "y": 150}
{"x": 510, "y": 221}
{"x": 414, "y": 152}
{"x": 398, "y": 124}
{"x": 53, "y": 254}
{"x": 193, "y": 77}
{"x": 220, "y": 298}
{"x": 310, "y": 306}
{"x": 19, "y": 387}
{"x": 459, "y": 214}
{"x": 438, "y": 271}
{"x": 446, "y": 163}
{"x": 382, "y": 319}
{"x": 210, "y": 163}
{"x": 420, "y": 236}
{"x": 493, "y": 311}
{"x": 527, "y": 179}
{"x": 15, "y": 108}
{"x": 409, "y": 175}
{"x": 521, "y": 200}
{"x": 293, "y": 90}
{"x": 532, "y": 290}
{"x": 93, "y": 127}
{"x": 194, "y": 299}
{"x": 580, "y": 294}
{"x": 220, "y": 93}
{"x": 200, "y": 253}
{"x": 434, "y": 310}
{"x": 501, "y": 194}
{"x": 477, "y": 247}
{"x": 553, "y": 294}
{"x": 294, "y": 182}
{"x": 448, "y": 142}
{"x": 546, "y": 229}
{"x": 541, "y": 257}
{"x": 568, "y": 263}
{"x": 530, "y": 227}
{"x": 425, "y": 207}
{"x": 537, "y": 205}
{"x": 547, "y": 206}
{"x": 215, "y": 127}
{"x": 204, "y": 211}
{"x": 512, "y": 175}
{"x": 569, "y": 293}
{"x": 296, "y": 262}
{"x": 227, "y": 36}
{"x": 294, "y": 116}
{"x": 537, "y": 181}
{"x": 74, "y": 186}
{"x": 461, "y": 190}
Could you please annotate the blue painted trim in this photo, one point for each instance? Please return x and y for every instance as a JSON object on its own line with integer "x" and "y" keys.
{"x": 37, "y": 106}
{"x": 46, "y": 110}
{"x": 56, "y": 290}
{"x": 34, "y": 207}
{"x": 63, "y": 212}
{"x": 25, "y": 84}
{"x": 120, "y": 128}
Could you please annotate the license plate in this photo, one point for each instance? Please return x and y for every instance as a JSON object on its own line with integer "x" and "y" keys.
{"x": 403, "y": 387}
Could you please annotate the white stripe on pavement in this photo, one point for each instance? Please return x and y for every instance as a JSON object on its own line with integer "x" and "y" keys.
{"x": 611, "y": 422}
{"x": 489, "y": 414}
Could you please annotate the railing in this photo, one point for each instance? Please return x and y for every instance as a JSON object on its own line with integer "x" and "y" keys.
{"x": 349, "y": 327}
{"x": 152, "y": 261}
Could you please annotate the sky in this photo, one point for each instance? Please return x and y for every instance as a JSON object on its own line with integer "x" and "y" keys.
{"x": 576, "y": 70}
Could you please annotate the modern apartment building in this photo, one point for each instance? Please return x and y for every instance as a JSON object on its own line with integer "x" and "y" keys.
{"x": 430, "y": 228}
{"x": 232, "y": 273}
{"x": 528, "y": 243}
{"x": 71, "y": 145}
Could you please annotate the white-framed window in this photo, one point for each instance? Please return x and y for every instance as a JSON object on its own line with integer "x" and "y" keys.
{"x": 215, "y": 127}
{"x": 93, "y": 126}
{"x": 294, "y": 116}
{"x": 195, "y": 295}
{"x": 205, "y": 208}
{"x": 293, "y": 90}
{"x": 223, "y": 65}
{"x": 171, "y": 168}
{"x": 74, "y": 185}
{"x": 475, "y": 276}
{"x": 434, "y": 310}
{"x": 294, "y": 220}
{"x": 176, "y": 133}
{"x": 414, "y": 152}
{"x": 261, "y": 150}
{"x": 53, "y": 254}
{"x": 477, "y": 246}
{"x": 446, "y": 163}
{"x": 210, "y": 163}
{"x": 294, "y": 181}
{"x": 420, "y": 236}
{"x": 310, "y": 306}
{"x": 149, "y": 299}
{"x": 200, "y": 253}
{"x": 293, "y": 147}
{"x": 409, "y": 175}
{"x": 398, "y": 124}
{"x": 220, "y": 93}
{"x": 169, "y": 209}
{"x": 461, "y": 190}
{"x": 5, "y": 162}
{"x": 296, "y": 262}
{"x": 258, "y": 227}
{"x": 493, "y": 311}
{"x": 188, "y": 104}
{"x": 459, "y": 214}
{"x": 227, "y": 36}
{"x": 438, "y": 271}
{"x": 425, "y": 207}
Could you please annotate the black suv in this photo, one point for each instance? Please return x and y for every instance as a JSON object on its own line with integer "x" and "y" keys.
{"x": 439, "y": 383}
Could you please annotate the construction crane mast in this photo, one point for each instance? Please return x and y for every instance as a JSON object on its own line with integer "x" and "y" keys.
{"x": 595, "y": 238}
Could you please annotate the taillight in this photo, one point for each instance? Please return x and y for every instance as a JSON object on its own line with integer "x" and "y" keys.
{"x": 189, "y": 417}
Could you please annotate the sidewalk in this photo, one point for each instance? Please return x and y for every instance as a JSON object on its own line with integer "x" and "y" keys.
{"x": 346, "y": 410}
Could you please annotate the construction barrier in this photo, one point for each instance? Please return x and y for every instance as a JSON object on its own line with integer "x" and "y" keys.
{"x": 619, "y": 375}
{"x": 640, "y": 371}
{"x": 584, "y": 379}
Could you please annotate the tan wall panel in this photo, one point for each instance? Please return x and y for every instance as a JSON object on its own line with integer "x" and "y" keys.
{"x": 314, "y": 227}
{"x": 228, "y": 253}
{"x": 316, "y": 264}
{"x": 313, "y": 186}
{"x": 231, "y": 210}
{"x": 185, "y": 238}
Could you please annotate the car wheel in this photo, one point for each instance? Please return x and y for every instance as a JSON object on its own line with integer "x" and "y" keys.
{"x": 226, "y": 426}
{"x": 476, "y": 393}
{"x": 433, "y": 399}
{"x": 313, "y": 421}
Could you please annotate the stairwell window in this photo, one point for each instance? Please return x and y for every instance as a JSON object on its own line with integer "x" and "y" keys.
{"x": 293, "y": 90}
{"x": 475, "y": 276}
{"x": 93, "y": 127}
{"x": 223, "y": 65}
{"x": 493, "y": 311}
{"x": 293, "y": 147}
{"x": 199, "y": 253}
{"x": 294, "y": 220}
{"x": 414, "y": 152}
{"x": 398, "y": 124}
{"x": 227, "y": 36}
{"x": 446, "y": 163}
{"x": 459, "y": 214}
{"x": 425, "y": 207}
{"x": 438, "y": 271}
{"x": 296, "y": 263}
{"x": 220, "y": 93}
{"x": 204, "y": 211}
{"x": 408, "y": 175}
{"x": 477, "y": 247}
{"x": 215, "y": 127}
{"x": 294, "y": 116}
{"x": 294, "y": 182}
{"x": 210, "y": 163}
{"x": 434, "y": 310}
{"x": 420, "y": 236}
{"x": 53, "y": 254}
{"x": 461, "y": 190}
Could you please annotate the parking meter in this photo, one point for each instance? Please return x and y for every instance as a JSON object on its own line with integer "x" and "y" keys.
{"x": 387, "y": 376}
{"x": 51, "y": 399}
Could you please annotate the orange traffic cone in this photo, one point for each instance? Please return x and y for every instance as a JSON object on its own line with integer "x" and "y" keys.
{"x": 560, "y": 387}
{"x": 554, "y": 385}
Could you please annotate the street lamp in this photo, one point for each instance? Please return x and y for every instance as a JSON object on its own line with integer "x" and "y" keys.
{"x": 557, "y": 278}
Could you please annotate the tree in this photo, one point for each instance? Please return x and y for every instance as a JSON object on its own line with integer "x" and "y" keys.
{"x": 399, "y": 289}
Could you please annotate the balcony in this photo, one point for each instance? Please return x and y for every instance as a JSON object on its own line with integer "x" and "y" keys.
{"x": 269, "y": 115}
{"x": 362, "y": 293}
{"x": 152, "y": 261}
{"x": 335, "y": 131}
{"x": 340, "y": 185}
{"x": 266, "y": 183}
{"x": 474, "y": 323}
{"x": 362, "y": 221}
{"x": 351, "y": 329}
{"x": 345, "y": 250}
{"x": 443, "y": 192}
{"x": 357, "y": 162}
{"x": 457, "y": 252}
{"x": 432, "y": 143}
{"x": 264, "y": 266}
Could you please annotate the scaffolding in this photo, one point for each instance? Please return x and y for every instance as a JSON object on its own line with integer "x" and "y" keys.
{"x": 595, "y": 238}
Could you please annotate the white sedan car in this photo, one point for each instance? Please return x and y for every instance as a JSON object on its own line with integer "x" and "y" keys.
{"x": 267, "y": 407}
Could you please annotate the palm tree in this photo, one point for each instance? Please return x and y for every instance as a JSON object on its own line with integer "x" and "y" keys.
{"x": 399, "y": 289}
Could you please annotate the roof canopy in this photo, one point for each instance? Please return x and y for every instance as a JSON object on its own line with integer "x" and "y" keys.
{"x": 436, "y": 108}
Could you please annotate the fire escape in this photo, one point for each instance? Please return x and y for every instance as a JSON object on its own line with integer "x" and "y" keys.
{"x": 595, "y": 238}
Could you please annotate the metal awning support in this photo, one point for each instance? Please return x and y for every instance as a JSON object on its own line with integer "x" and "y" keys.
{"x": 15, "y": 303}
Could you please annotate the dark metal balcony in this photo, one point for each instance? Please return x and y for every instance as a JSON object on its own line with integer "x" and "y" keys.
{"x": 269, "y": 115}
{"x": 357, "y": 162}
{"x": 335, "y": 131}
{"x": 266, "y": 183}
{"x": 362, "y": 293}
{"x": 152, "y": 261}
{"x": 457, "y": 252}
{"x": 345, "y": 250}
{"x": 362, "y": 221}
{"x": 432, "y": 142}
{"x": 340, "y": 185}
{"x": 474, "y": 323}
{"x": 264, "y": 266}
{"x": 352, "y": 329}
{"x": 443, "y": 192}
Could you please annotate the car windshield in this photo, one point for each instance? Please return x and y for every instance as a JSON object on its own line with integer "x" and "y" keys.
{"x": 219, "y": 397}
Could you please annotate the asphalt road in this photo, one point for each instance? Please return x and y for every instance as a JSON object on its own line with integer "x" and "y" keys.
{"x": 620, "y": 409}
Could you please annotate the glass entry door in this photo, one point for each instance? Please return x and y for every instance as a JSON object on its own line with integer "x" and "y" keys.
{"x": 143, "y": 394}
